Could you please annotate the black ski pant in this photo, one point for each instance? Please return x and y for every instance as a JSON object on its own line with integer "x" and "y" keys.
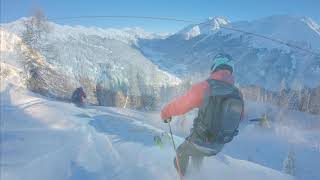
{"x": 188, "y": 149}
{"x": 184, "y": 152}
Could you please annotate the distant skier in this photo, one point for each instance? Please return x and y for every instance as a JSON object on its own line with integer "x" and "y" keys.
{"x": 78, "y": 96}
{"x": 220, "y": 106}
{"x": 264, "y": 122}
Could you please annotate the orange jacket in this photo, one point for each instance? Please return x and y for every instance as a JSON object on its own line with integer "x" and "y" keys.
{"x": 194, "y": 97}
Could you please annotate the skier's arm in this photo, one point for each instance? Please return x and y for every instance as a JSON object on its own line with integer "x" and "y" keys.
{"x": 182, "y": 104}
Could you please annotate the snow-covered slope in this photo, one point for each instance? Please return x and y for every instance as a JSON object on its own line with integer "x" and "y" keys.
{"x": 11, "y": 74}
{"x": 45, "y": 139}
{"x": 259, "y": 61}
{"x": 302, "y": 31}
{"x": 89, "y": 57}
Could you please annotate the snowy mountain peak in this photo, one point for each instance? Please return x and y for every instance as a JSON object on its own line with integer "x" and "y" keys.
{"x": 212, "y": 25}
{"x": 217, "y": 22}
{"x": 302, "y": 31}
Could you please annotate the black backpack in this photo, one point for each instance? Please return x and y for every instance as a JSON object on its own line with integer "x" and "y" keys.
{"x": 220, "y": 114}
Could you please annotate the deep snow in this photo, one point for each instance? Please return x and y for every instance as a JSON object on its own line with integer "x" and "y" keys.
{"x": 45, "y": 139}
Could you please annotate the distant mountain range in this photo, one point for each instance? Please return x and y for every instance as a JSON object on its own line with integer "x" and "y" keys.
{"x": 259, "y": 61}
{"x": 120, "y": 63}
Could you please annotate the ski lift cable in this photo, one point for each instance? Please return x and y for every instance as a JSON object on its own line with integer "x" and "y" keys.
{"x": 273, "y": 39}
{"x": 193, "y": 22}
{"x": 127, "y": 17}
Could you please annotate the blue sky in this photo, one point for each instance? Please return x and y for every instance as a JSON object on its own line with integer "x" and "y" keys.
{"x": 184, "y": 9}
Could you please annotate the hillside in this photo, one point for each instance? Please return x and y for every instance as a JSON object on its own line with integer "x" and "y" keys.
{"x": 259, "y": 61}
{"x": 56, "y": 59}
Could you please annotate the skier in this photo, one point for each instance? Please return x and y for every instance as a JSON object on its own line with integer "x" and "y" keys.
{"x": 220, "y": 106}
{"x": 78, "y": 96}
{"x": 264, "y": 122}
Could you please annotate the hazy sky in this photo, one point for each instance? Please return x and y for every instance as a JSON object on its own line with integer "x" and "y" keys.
{"x": 184, "y": 9}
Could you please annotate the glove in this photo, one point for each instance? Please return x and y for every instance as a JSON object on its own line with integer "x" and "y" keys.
{"x": 167, "y": 120}
{"x": 165, "y": 115}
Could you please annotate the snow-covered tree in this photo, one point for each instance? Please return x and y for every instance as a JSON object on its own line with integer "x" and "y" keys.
{"x": 30, "y": 38}
{"x": 36, "y": 34}
{"x": 36, "y": 29}
{"x": 283, "y": 86}
{"x": 289, "y": 166}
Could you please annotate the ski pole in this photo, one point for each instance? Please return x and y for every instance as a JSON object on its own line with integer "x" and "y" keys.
{"x": 175, "y": 149}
